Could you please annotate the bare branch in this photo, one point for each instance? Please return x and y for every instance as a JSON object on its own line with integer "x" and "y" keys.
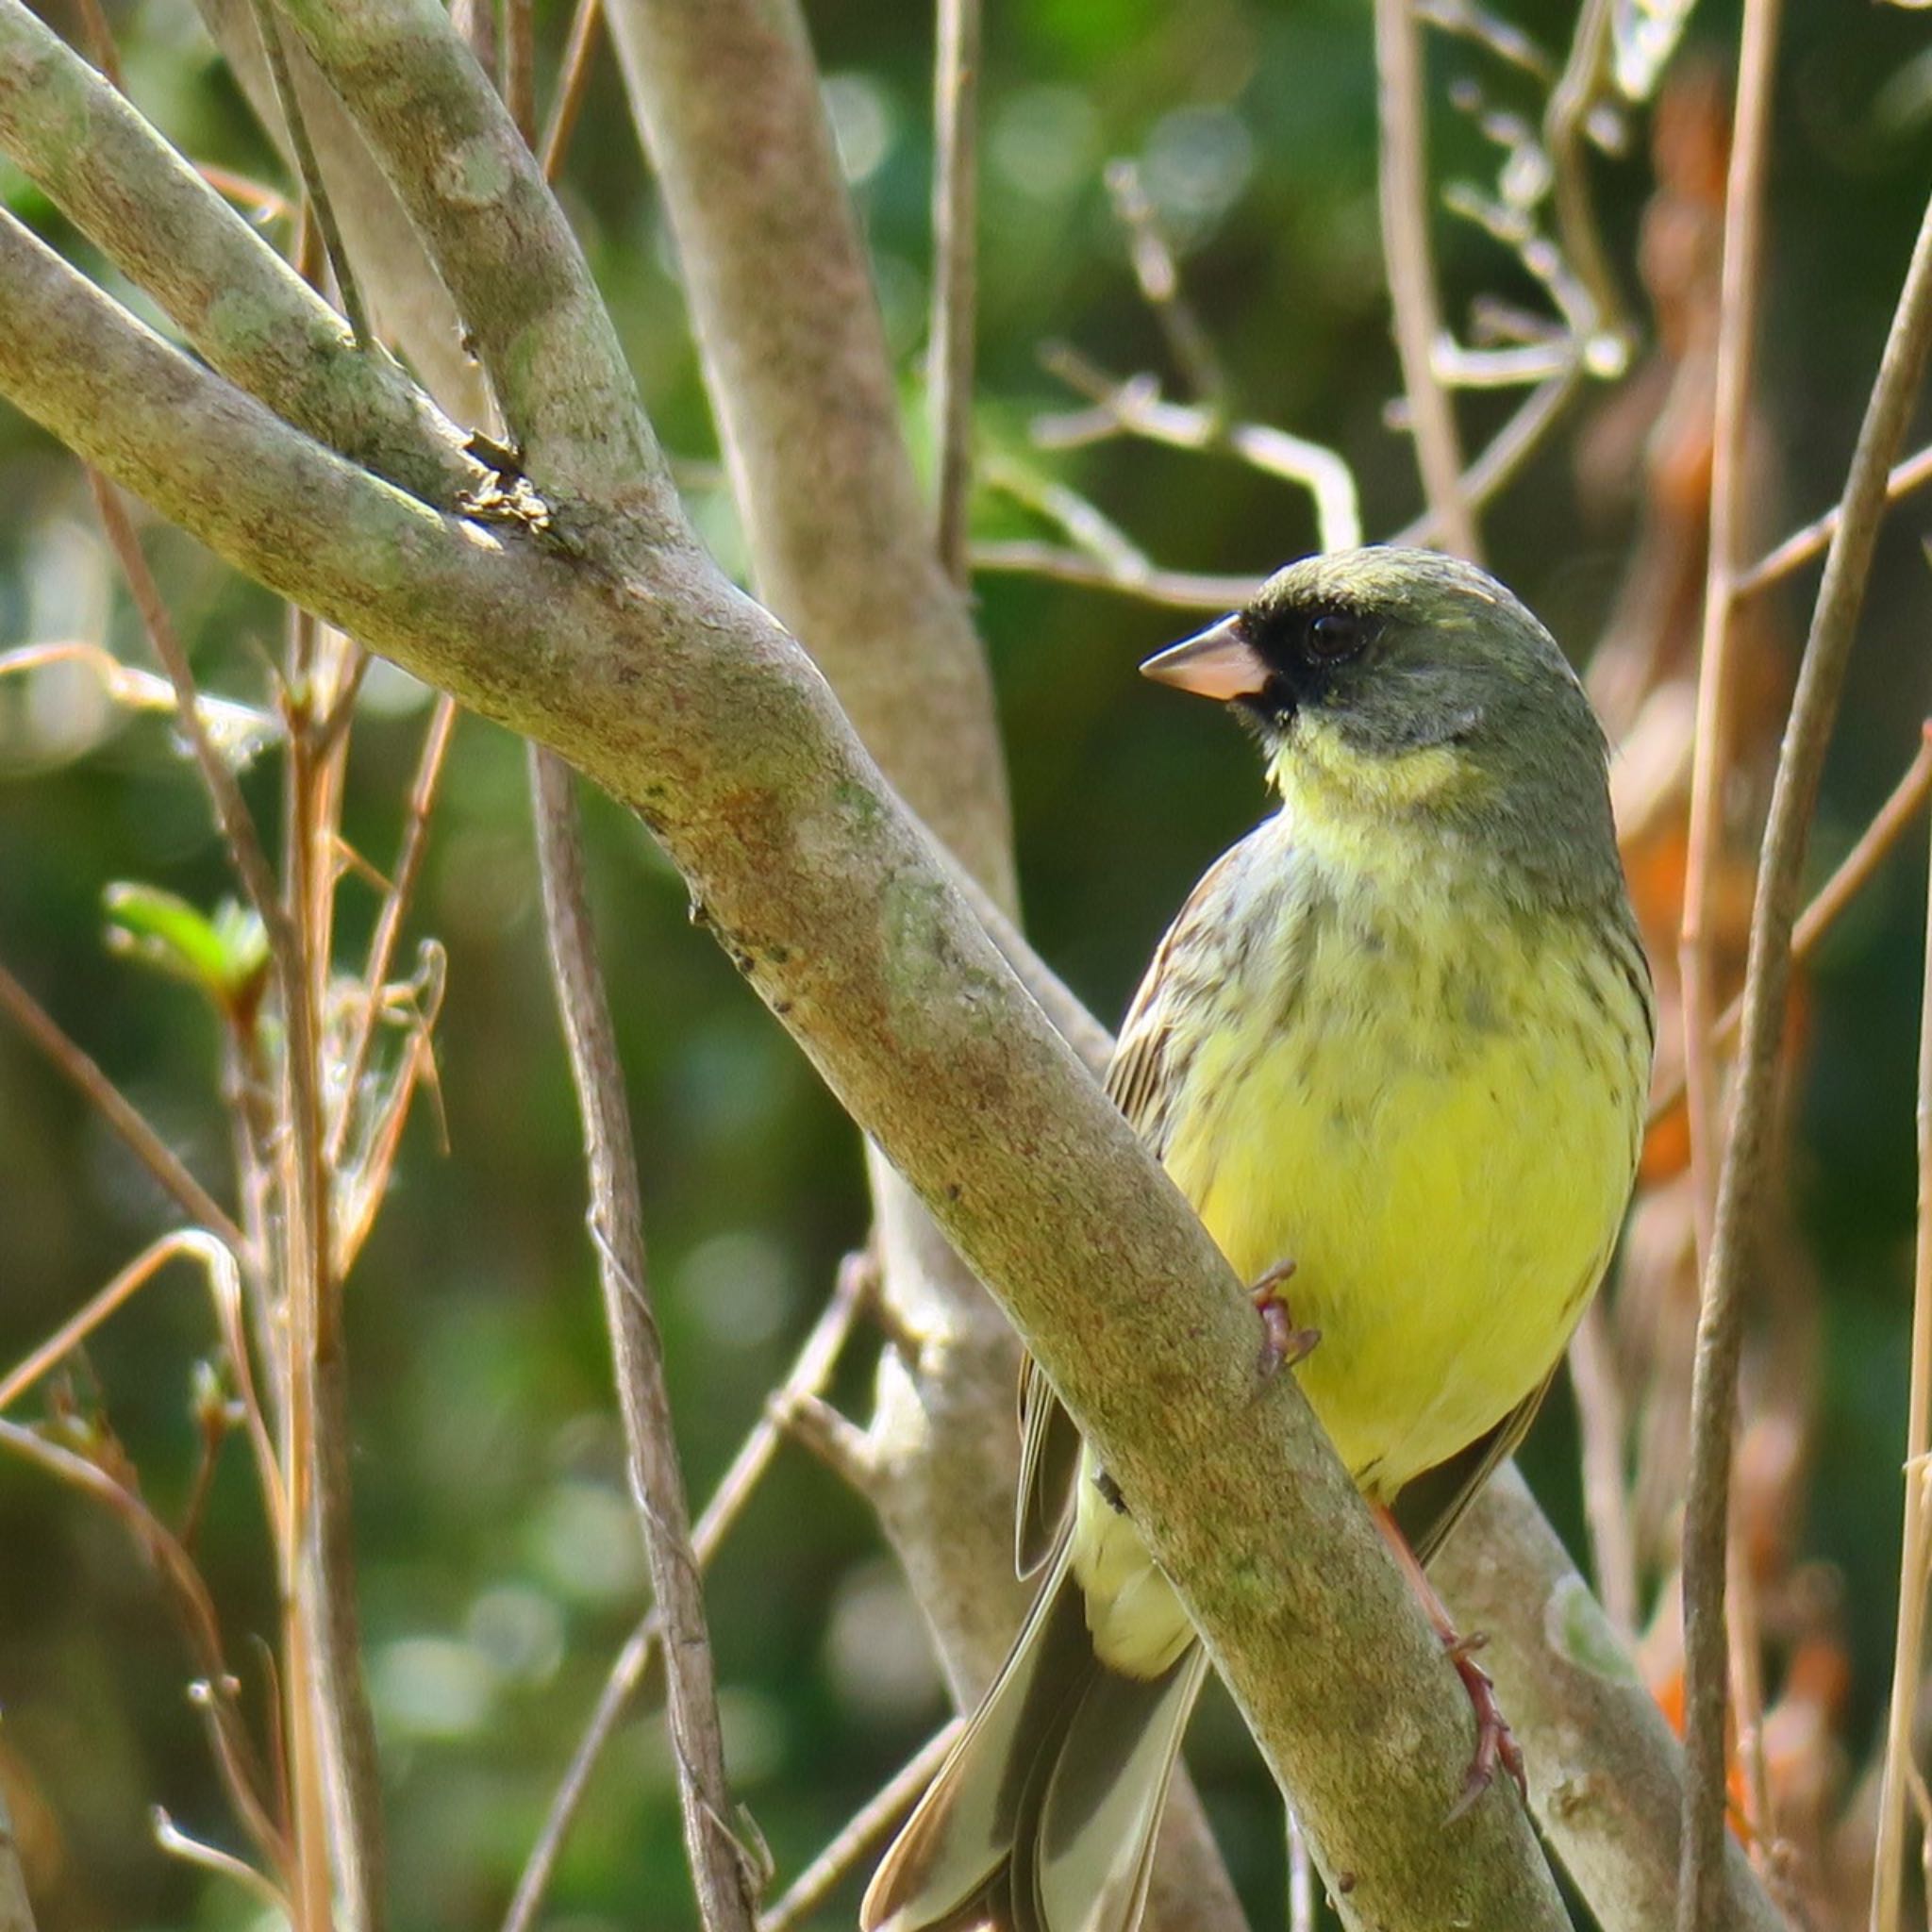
{"x": 244, "y": 1777}
{"x": 193, "y": 1851}
{"x": 718, "y": 1868}
{"x": 809, "y": 1372}
{"x": 1177, "y": 589}
{"x": 232, "y": 816}
{"x": 806, "y": 400}
{"x": 314, "y": 191}
{"x": 1159, "y": 279}
{"x": 1604, "y": 1772}
{"x": 500, "y": 243}
{"x": 1801, "y": 546}
{"x": 395, "y": 907}
{"x": 1410, "y": 261}
{"x": 234, "y": 297}
{"x": 1742, "y": 279}
{"x": 120, "y": 1113}
{"x": 1566, "y": 121}
{"x": 573, "y": 79}
{"x": 863, "y": 1835}
{"x": 955, "y": 217}
{"x": 1889, "y": 825}
{"x": 1136, "y": 408}
{"x": 1719, "y": 1332}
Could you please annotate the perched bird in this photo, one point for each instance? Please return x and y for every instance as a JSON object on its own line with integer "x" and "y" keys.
{"x": 1396, "y": 1051}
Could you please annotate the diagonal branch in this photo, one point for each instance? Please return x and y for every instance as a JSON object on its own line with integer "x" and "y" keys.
{"x": 718, "y": 1865}
{"x": 240, "y": 304}
{"x": 688, "y": 703}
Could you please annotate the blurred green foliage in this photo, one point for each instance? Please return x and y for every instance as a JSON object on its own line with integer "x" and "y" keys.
{"x": 499, "y": 1563}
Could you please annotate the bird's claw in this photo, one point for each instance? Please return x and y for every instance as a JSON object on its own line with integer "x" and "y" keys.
{"x": 1283, "y": 1344}
{"x": 1495, "y": 1743}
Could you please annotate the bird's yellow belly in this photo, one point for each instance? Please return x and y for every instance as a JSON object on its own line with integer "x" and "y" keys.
{"x": 1444, "y": 1154}
{"x": 1435, "y": 1114}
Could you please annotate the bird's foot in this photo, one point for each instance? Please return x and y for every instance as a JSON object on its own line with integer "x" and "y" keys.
{"x": 1283, "y": 1344}
{"x": 1495, "y": 1743}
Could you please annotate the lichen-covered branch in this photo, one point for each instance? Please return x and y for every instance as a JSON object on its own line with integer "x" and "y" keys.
{"x": 688, "y": 702}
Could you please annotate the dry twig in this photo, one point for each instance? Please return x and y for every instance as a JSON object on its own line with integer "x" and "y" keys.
{"x": 809, "y": 1372}
{"x": 718, "y": 1863}
{"x": 1405, "y": 194}
{"x": 1888, "y": 1885}
{"x": 1720, "y": 1331}
{"x": 866, "y": 1831}
{"x": 955, "y": 216}
{"x": 120, "y": 1113}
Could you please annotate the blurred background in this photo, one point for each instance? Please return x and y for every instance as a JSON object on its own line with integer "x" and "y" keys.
{"x": 499, "y": 1563}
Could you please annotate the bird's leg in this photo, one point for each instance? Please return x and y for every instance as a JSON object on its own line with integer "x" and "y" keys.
{"x": 1495, "y": 1744}
{"x": 1282, "y": 1344}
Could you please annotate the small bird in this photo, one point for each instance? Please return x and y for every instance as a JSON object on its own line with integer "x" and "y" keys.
{"x": 1395, "y": 1050}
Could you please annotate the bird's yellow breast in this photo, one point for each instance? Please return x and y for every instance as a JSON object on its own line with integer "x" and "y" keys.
{"x": 1441, "y": 1134}
{"x": 1399, "y": 1072}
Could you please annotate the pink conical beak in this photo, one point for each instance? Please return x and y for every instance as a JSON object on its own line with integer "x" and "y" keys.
{"x": 1219, "y": 663}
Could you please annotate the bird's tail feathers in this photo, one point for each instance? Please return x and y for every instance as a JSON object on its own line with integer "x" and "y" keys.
{"x": 1042, "y": 1817}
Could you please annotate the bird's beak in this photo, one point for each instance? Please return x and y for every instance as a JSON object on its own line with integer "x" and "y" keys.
{"x": 1219, "y": 663}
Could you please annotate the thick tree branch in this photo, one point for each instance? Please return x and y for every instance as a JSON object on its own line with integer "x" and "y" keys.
{"x": 240, "y": 304}
{"x": 501, "y": 244}
{"x": 808, "y": 409}
{"x": 686, "y": 701}
{"x": 1606, "y": 1776}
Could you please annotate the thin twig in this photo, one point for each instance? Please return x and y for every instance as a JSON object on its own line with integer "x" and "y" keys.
{"x": 1720, "y": 1331}
{"x": 1159, "y": 275}
{"x": 1889, "y": 825}
{"x": 323, "y": 1658}
{"x": 1405, "y": 196}
{"x": 119, "y": 1112}
{"x": 1301, "y": 1877}
{"x": 573, "y": 81}
{"x": 1507, "y": 450}
{"x": 274, "y": 52}
{"x": 1177, "y": 589}
{"x": 955, "y": 276}
{"x": 718, "y": 1864}
{"x": 1136, "y": 407}
{"x": 1741, "y": 288}
{"x": 193, "y": 1851}
{"x": 1600, "y": 1412}
{"x": 809, "y": 1372}
{"x": 395, "y": 907}
{"x": 862, "y": 1835}
{"x": 231, "y": 810}
{"x": 1566, "y": 121}
{"x": 517, "y": 65}
{"x": 120, "y": 1290}
{"x": 1889, "y": 1860}
{"x": 1801, "y": 546}
{"x": 243, "y": 1774}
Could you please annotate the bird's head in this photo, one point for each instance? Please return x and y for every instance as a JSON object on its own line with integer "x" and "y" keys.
{"x": 1400, "y": 682}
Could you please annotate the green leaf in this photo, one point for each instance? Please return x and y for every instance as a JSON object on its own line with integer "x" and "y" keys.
{"x": 224, "y": 956}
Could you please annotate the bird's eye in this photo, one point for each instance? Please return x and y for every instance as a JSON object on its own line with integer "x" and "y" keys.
{"x": 1334, "y": 635}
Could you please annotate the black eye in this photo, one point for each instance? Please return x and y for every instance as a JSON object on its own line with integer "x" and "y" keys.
{"x": 1335, "y": 635}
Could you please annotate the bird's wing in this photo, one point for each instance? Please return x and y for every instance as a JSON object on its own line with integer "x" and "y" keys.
{"x": 1432, "y": 1504}
{"x": 1141, "y": 1082}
